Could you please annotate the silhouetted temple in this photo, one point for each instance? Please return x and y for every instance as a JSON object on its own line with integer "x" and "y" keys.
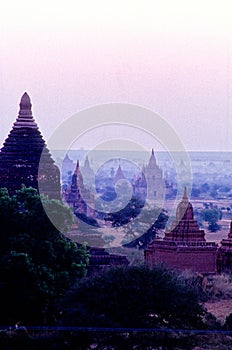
{"x": 184, "y": 246}
{"x": 20, "y": 156}
{"x": 78, "y": 196}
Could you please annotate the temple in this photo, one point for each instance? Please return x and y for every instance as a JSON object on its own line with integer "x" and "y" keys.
{"x": 119, "y": 175}
{"x": 224, "y": 260}
{"x": 150, "y": 183}
{"x": 78, "y": 196}
{"x": 20, "y": 156}
{"x": 184, "y": 246}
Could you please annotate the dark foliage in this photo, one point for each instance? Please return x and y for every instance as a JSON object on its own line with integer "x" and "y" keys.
{"x": 37, "y": 262}
{"x": 123, "y": 216}
{"x": 133, "y": 297}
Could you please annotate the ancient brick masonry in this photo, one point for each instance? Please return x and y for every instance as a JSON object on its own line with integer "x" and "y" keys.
{"x": 20, "y": 156}
{"x": 184, "y": 246}
{"x": 224, "y": 259}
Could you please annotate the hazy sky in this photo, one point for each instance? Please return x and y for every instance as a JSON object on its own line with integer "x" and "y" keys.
{"x": 173, "y": 57}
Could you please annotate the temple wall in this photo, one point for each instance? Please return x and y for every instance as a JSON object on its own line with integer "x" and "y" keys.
{"x": 202, "y": 261}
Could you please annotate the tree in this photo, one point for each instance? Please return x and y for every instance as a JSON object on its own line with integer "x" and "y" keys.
{"x": 37, "y": 262}
{"x": 212, "y": 215}
{"x": 125, "y": 215}
{"x": 228, "y": 323}
{"x": 133, "y": 297}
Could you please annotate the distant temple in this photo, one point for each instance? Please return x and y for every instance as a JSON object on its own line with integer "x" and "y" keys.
{"x": 119, "y": 175}
{"x": 184, "y": 246}
{"x": 151, "y": 182}
{"x": 78, "y": 196}
{"x": 88, "y": 174}
{"x": 20, "y": 156}
{"x": 67, "y": 166}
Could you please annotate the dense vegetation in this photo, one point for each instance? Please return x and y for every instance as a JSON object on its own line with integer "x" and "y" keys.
{"x": 39, "y": 271}
{"x": 37, "y": 262}
{"x": 134, "y": 296}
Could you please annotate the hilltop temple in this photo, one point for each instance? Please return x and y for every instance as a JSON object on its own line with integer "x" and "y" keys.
{"x": 184, "y": 246}
{"x": 20, "y": 156}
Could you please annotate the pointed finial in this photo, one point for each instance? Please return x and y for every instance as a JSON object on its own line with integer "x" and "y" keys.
{"x": 86, "y": 161}
{"x": 77, "y": 168}
{"x": 185, "y": 195}
{"x": 25, "y": 105}
{"x": 25, "y": 118}
{"x": 152, "y": 151}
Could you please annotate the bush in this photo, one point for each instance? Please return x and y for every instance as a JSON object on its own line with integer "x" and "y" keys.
{"x": 133, "y": 296}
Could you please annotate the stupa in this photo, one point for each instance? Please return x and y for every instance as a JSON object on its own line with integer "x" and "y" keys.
{"x": 184, "y": 247}
{"x": 20, "y": 156}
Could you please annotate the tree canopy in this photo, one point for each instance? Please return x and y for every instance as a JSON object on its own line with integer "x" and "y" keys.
{"x": 37, "y": 262}
{"x": 133, "y": 297}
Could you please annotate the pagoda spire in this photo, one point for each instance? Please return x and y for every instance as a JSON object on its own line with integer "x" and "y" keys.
{"x": 77, "y": 170}
{"x": 25, "y": 105}
{"x": 119, "y": 175}
{"x": 87, "y": 162}
{"x": 24, "y": 157}
{"x": 185, "y": 227}
{"x": 152, "y": 160}
{"x": 185, "y": 195}
{"x": 25, "y": 118}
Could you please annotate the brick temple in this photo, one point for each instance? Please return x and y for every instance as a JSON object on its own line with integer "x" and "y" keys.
{"x": 20, "y": 156}
{"x": 184, "y": 246}
{"x": 224, "y": 259}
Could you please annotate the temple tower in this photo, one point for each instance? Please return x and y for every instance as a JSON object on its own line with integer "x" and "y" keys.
{"x": 151, "y": 183}
{"x": 79, "y": 197}
{"x": 119, "y": 175}
{"x": 20, "y": 156}
{"x": 184, "y": 247}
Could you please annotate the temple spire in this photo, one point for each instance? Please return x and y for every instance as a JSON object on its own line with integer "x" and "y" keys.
{"x": 25, "y": 118}
{"x": 24, "y": 157}
{"x": 87, "y": 162}
{"x": 152, "y": 160}
{"x": 77, "y": 168}
{"x": 25, "y": 105}
{"x": 185, "y": 195}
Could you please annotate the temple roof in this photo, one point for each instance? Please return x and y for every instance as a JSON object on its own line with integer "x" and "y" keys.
{"x": 25, "y": 118}
{"x": 119, "y": 175}
{"x": 184, "y": 209}
{"x": 20, "y": 156}
{"x": 185, "y": 227}
{"x": 152, "y": 160}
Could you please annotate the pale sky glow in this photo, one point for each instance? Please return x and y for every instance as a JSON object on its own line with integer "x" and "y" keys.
{"x": 173, "y": 57}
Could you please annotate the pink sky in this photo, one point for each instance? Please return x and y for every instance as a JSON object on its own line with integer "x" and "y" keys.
{"x": 173, "y": 57}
